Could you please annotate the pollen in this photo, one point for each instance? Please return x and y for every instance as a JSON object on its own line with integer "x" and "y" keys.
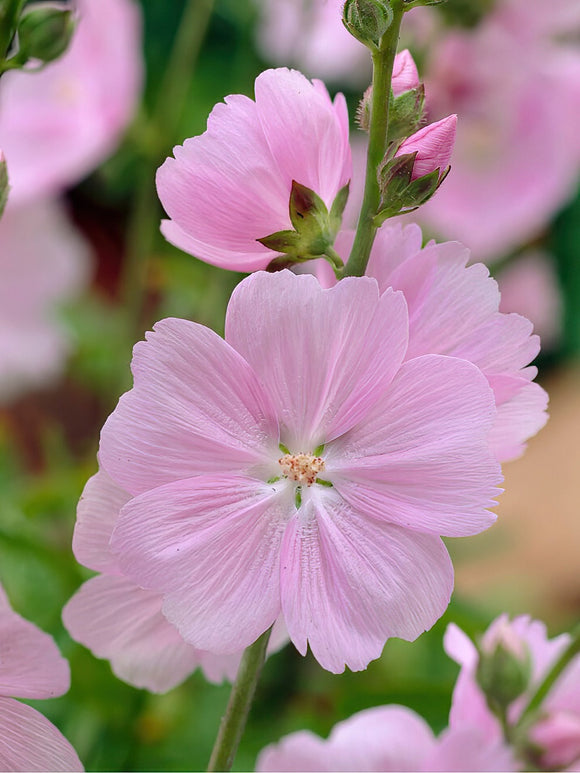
{"x": 301, "y": 468}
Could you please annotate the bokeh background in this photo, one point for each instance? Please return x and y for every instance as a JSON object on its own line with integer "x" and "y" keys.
{"x": 85, "y": 272}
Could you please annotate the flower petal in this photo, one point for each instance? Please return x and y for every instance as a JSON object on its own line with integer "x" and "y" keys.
{"x": 521, "y": 412}
{"x": 324, "y": 356}
{"x": 31, "y": 665}
{"x": 348, "y": 583}
{"x": 421, "y": 457}
{"x": 212, "y": 545}
{"x": 29, "y": 742}
{"x": 196, "y": 407}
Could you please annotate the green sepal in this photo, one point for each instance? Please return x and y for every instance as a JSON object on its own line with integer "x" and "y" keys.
{"x": 281, "y": 241}
{"x": 406, "y": 113}
{"x": 503, "y": 676}
{"x": 283, "y": 448}
{"x": 4, "y": 185}
{"x": 337, "y": 208}
{"x": 45, "y": 34}
{"x": 367, "y": 20}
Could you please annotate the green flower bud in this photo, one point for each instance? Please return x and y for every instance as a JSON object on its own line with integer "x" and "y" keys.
{"x": 504, "y": 669}
{"x": 45, "y": 33}
{"x": 367, "y": 20}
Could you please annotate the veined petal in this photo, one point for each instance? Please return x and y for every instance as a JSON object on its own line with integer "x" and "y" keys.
{"x": 29, "y": 742}
{"x": 521, "y": 412}
{"x": 196, "y": 407}
{"x": 211, "y": 545}
{"x": 421, "y": 457}
{"x": 324, "y": 356}
{"x": 348, "y": 582}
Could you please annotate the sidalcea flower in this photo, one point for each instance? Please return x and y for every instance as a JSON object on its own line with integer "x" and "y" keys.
{"x": 44, "y": 262}
{"x": 58, "y": 124}
{"x": 31, "y": 667}
{"x": 433, "y": 145}
{"x": 231, "y": 186}
{"x": 454, "y": 310}
{"x": 552, "y": 739}
{"x": 118, "y": 620}
{"x": 300, "y": 468}
{"x": 387, "y": 738}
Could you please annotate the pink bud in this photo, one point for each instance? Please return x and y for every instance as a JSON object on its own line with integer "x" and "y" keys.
{"x": 433, "y": 145}
{"x": 405, "y": 75}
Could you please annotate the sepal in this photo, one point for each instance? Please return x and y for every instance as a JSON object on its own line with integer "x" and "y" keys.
{"x": 406, "y": 113}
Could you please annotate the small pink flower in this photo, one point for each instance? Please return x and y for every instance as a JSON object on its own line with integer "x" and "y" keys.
{"x": 59, "y": 124}
{"x": 386, "y": 738}
{"x": 118, "y": 620}
{"x": 405, "y": 75}
{"x": 557, "y": 730}
{"x": 31, "y": 667}
{"x": 454, "y": 310}
{"x": 231, "y": 186}
{"x": 43, "y": 262}
{"x": 298, "y": 469}
{"x": 433, "y": 145}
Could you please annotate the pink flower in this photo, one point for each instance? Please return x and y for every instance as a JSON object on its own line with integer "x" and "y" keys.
{"x": 44, "y": 262}
{"x": 433, "y": 145}
{"x": 298, "y": 469}
{"x": 59, "y": 124}
{"x": 118, "y": 620}
{"x": 386, "y": 738}
{"x": 231, "y": 186}
{"x": 405, "y": 75}
{"x": 31, "y": 667}
{"x": 557, "y": 727}
{"x": 454, "y": 310}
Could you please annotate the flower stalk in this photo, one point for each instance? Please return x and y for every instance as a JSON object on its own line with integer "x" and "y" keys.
{"x": 383, "y": 60}
{"x": 241, "y": 697}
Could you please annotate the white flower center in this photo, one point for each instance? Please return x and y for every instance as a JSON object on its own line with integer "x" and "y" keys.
{"x": 301, "y": 468}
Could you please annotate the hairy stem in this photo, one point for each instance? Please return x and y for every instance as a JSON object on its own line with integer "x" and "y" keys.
{"x": 241, "y": 697}
{"x": 383, "y": 60}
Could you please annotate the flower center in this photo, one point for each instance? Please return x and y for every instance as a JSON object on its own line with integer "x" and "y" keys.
{"x": 301, "y": 468}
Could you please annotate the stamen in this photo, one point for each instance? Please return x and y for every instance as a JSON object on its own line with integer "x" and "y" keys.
{"x": 301, "y": 468}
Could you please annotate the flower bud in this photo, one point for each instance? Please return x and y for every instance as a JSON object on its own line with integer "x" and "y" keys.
{"x": 504, "y": 669}
{"x": 45, "y": 33}
{"x": 558, "y": 739}
{"x": 367, "y": 20}
{"x": 4, "y": 187}
{"x": 405, "y": 75}
{"x": 433, "y": 145}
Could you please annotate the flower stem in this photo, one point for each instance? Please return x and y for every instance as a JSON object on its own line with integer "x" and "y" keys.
{"x": 383, "y": 60}
{"x": 234, "y": 720}
{"x": 546, "y": 685}
{"x": 10, "y": 11}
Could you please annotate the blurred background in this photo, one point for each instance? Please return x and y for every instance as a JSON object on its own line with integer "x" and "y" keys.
{"x": 85, "y": 272}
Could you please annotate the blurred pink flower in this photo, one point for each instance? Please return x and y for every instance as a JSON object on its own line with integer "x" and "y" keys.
{"x": 31, "y": 667}
{"x": 433, "y": 145}
{"x": 529, "y": 286}
{"x": 298, "y": 468}
{"x": 454, "y": 310}
{"x": 231, "y": 186}
{"x": 58, "y": 124}
{"x": 517, "y": 155}
{"x": 386, "y": 738}
{"x": 557, "y": 728}
{"x": 118, "y": 620}
{"x": 44, "y": 262}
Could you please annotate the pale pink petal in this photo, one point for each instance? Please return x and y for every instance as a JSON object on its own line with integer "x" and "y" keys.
{"x": 519, "y": 416}
{"x": 324, "y": 356}
{"x": 31, "y": 665}
{"x": 433, "y": 145}
{"x": 123, "y": 623}
{"x": 405, "y": 75}
{"x": 469, "y": 749}
{"x": 97, "y": 512}
{"x": 211, "y": 544}
{"x": 558, "y": 736}
{"x": 300, "y": 125}
{"x": 349, "y": 583}
{"x": 196, "y": 407}
{"x": 29, "y": 742}
{"x": 421, "y": 458}
{"x": 386, "y": 738}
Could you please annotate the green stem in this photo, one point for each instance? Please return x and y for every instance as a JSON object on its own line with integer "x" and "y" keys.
{"x": 383, "y": 60}
{"x": 546, "y": 685}
{"x": 160, "y": 132}
{"x": 234, "y": 720}
{"x": 10, "y": 11}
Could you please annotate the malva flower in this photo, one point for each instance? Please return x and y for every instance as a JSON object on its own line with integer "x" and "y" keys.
{"x": 31, "y": 667}
{"x": 433, "y": 145}
{"x": 231, "y": 186}
{"x": 454, "y": 310}
{"x": 44, "y": 262}
{"x": 57, "y": 125}
{"x": 299, "y": 468}
{"x": 553, "y": 733}
{"x": 118, "y": 620}
{"x": 387, "y": 738}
